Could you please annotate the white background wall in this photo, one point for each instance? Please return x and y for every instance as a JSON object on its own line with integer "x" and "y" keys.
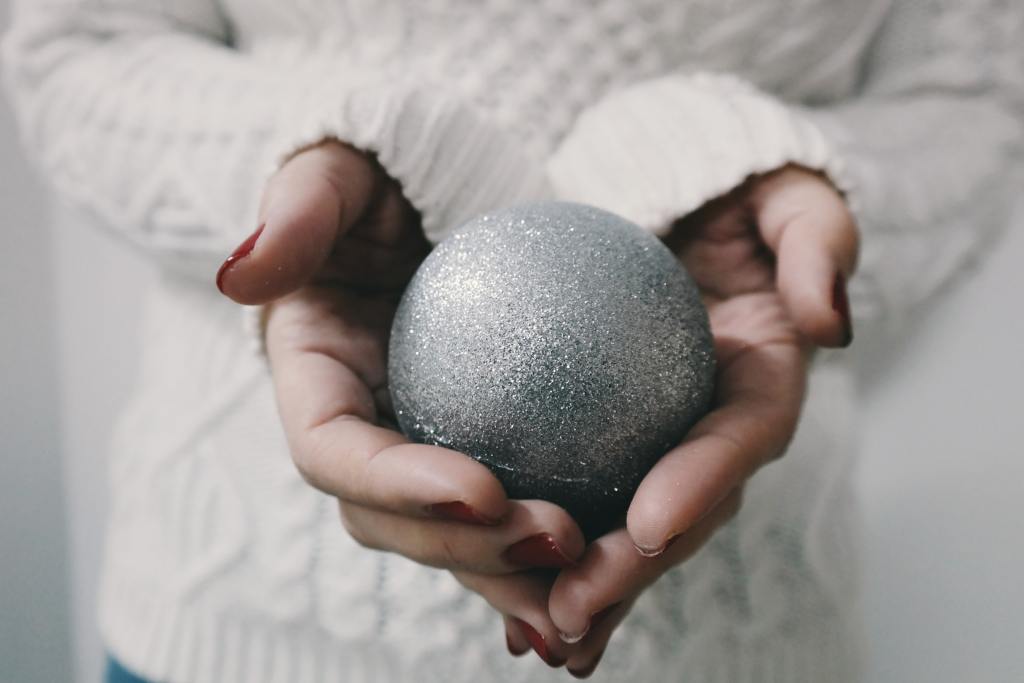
{"x": 943, "y": 485}
{"x": 68, "y": 305}
{"x": 98, "y": 282}
{"x": 942, "y": 474}
{"x": 34, "y": 627}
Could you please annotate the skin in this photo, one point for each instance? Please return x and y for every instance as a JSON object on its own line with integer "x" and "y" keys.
{"x": 340, "y": 243}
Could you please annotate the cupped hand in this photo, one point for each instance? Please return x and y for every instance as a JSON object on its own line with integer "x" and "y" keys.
{"x": 771, "y": 259}
{"x": 337, "y": 247}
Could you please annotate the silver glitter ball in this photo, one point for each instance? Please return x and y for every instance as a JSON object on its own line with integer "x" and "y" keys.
{"x": 560, "y": 345}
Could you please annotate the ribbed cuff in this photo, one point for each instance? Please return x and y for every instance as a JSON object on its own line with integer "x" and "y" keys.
{"x": 451, "y": 161}
{"x": 657, "y": 150}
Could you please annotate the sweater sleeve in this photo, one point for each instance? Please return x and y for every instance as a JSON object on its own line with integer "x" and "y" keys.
{"x": 929, "y": 152}
{"x": 146, "y": 114}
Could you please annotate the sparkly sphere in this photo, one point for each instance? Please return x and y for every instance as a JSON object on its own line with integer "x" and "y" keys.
{"x": 558, "y": 344}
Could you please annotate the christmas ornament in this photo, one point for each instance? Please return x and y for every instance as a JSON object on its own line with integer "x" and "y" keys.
{"x": 560, "y": 345}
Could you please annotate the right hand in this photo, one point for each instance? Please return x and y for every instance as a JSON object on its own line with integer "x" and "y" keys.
{"x": 338, "y": 246}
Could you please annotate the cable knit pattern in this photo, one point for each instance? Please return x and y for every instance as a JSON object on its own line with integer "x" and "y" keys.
{"x": 164, "y": 118}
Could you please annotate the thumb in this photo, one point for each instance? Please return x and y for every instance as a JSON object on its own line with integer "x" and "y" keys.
{"x": 806, "y": 223}
{"x": 307, "y": 205}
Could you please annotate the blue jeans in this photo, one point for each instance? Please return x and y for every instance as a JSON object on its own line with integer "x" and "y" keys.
{"x": 118, "y": 674}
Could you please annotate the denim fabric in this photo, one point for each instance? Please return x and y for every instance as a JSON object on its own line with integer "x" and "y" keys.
{"x": 118, "y": 674}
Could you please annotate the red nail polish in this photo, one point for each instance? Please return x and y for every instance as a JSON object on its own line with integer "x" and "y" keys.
{"x": 243, "y": 250}
{"x": 536, "y": 552}
{"x": 539, "y": 645}
{"x": 586, "y": 671}
{"x": 457, "y": 511}
{"x": 512, "y": 648}
{"x": 841, "y": 305}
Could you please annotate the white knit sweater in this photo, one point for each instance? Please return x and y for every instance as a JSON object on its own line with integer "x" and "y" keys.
{"x": 164, "y": 118}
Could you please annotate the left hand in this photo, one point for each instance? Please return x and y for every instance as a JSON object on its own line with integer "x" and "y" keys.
{"x": 338, "y": 246}
{"x": 771, "y": 259}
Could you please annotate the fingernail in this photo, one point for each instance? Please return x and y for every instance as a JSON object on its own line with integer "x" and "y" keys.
{"x": 536, "y": 552}
{"x": 539, "y": 645}
{"x": 243, "y": 250}
{"x": 588, "y": 669}
{"x": 515, "y": 652}
{"x": 841, "y": 305}
{"x": 572, "y": 640}
{"x": 655, "y": 552}
{"x": 595, "y": 619}
{"x": 457, "y": 511}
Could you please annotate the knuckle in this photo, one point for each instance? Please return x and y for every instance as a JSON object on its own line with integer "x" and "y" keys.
{"x": 350, "y": 521}
{"x": 307, "y": 461}
{"x": 450, "y": 550}
{"x": 448, "y": 556}
{"x": 327, "y": 465}
{"x": 481, "y": 484}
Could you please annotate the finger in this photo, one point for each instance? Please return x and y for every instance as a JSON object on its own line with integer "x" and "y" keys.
{"x": 315, "y": 197}
{"x": 714, "y": 244}
{"x": 370, "y": 268}
{"x": 385, "y": 247}
{"x": 325, "y": 371}
{"x": 523, "y": 599}
{"x": 613, "y": 573}
{"x": 515, "y": 641}
{"x": 584, "y": 661}
{"x": 759, "y": 396}
{"x": 808, "y": 226}
{"x": 534, "y": 534}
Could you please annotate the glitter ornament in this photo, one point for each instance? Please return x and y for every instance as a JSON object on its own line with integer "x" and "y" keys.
{"x": 560, "y": 345}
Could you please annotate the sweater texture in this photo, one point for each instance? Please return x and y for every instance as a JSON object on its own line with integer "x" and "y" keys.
{"x": 165, "y": 118}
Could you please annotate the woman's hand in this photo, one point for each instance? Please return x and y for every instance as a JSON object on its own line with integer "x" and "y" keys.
{"x": 771, "y": 259}
{"x": 338, "y": 246}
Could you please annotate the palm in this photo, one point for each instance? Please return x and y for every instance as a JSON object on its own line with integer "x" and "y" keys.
{"x": 344, "y": 314}
{"x": 759, "y": 348}
{"x": 721, "y": 246}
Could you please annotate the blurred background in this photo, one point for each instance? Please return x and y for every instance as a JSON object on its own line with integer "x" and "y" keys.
{"x": 941, "y": 475}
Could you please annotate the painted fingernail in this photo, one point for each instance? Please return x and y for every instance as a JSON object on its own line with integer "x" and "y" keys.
{"x": 539, "y": 645}
{"x": 243, "y": 250}
{"x": 539, "y": 551}
{"x": 595, "y": 619}
{"x": 841, "y": 305}
{"x": 655, "y": 552}
{"x": 457, "y": 511}
{"x": 586, "y": 671}
{"x": 512, "y": 649}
